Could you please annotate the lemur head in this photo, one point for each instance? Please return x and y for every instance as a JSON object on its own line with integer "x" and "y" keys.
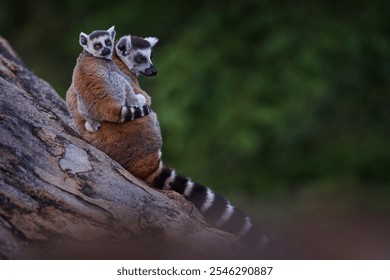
{"x": 99, "y": 43}
{"x": 136, "y": 53}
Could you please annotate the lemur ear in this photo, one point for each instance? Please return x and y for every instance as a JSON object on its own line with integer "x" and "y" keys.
{"x": 112, "y": 32}
{"x": 124, "y": 45}
{"x": 152, "y": 40}
{"x": 83, "y": 39}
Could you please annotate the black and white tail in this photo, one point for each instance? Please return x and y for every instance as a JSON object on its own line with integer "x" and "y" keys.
{"x": 135, "y": 112}
{"x": 217, "y": 210}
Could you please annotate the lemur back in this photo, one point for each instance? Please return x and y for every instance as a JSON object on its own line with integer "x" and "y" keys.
{"x": 140, "y": 145}
{"x": 104, "y": 93}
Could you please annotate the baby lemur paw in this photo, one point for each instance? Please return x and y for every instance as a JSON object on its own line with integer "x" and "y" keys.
{"x": 141, "y": 99}
{"x": 92, "y": 126}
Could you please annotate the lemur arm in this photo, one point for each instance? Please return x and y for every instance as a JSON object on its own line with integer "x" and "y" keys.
{"x": 106, "y": 109}
{"x": 99, "y": 101}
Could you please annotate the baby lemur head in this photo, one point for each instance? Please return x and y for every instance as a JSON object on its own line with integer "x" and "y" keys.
{"x": 99, "y": 43}
{"x": 136, "y": 53}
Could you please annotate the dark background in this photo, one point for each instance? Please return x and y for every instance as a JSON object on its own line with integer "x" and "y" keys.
{"x": 281, "y": 106}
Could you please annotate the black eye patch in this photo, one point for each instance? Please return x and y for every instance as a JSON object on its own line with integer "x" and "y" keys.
{"x": 97, "y": 46}
{"x": 108, "y": 42}
{"x": 140, "y": 59}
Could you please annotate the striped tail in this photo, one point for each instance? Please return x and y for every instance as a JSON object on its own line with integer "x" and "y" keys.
{"x": 134, "y": 112}
{"x": 217, "y": 210}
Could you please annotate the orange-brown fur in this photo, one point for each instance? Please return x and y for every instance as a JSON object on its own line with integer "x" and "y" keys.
{"x": 90, "y": 81}
{"x": 135, "y": 144}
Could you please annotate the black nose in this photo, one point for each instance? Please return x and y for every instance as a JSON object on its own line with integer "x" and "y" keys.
{"x": 106, "y": 51}
{"x": 151, "y": 71}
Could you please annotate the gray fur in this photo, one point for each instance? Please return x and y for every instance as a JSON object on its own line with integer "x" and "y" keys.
{"x": 129, "y": 48}
{"x": 117, "y": 84}
{"x": 99, "y": 38}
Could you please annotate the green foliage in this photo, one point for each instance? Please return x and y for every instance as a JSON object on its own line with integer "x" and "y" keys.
{"x": 267, "y": 97}
{"x": 256, "y": 95}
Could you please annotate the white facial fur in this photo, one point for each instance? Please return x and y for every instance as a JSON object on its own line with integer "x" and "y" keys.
{"x": 100, "y": 44}
{"x": 136, "y": 59}
{"x": 140, "y": 67}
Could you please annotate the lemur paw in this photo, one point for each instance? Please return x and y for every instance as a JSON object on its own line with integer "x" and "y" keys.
{"x": 92, "y": 126}
{"x": 141, "y": 99}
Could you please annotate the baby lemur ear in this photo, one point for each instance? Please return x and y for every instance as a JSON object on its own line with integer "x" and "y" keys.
{"x": 124, "y": 45}
{"x": 112, "y": 32}
{"x": 83, "y": 39}
{"x": 152, "y": 40}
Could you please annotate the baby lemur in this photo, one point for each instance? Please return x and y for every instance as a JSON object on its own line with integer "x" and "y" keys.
{"x": 136, "y": 145}
{"x": 103, "y": 92}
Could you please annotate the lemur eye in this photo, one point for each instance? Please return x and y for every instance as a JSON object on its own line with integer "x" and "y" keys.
{"x": 140, "y": 59}
{"x": 97, "y": 46}
{"x": 108, "y": 42}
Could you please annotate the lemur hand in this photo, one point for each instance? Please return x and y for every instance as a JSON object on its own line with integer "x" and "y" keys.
{"x": 92, "y": 126}
{"x": 141, "y": 99}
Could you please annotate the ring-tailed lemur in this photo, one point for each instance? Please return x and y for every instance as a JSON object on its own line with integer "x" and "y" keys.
{"x": 104, "y": 93}
{"x": 140, "y": 148}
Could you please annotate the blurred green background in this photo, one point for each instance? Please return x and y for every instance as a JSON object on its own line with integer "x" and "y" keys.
{"x": 281, "y": 106}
